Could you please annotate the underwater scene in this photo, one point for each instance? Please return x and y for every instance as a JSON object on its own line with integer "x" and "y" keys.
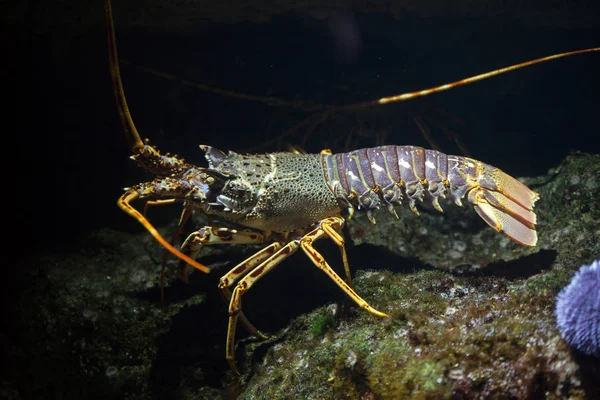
{"x": 305, "y": 200}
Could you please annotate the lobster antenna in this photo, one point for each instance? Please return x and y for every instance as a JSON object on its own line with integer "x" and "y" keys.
{"x": 308, "y": 106}
{"x": 425, "y": 92}
{"x": 134, "y": 139}
{"x": 131, "y": 131}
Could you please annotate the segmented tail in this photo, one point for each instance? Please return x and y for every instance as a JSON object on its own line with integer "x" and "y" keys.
{"x": 367, "y": 179}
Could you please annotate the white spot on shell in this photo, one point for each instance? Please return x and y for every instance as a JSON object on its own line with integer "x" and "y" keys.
{"x": 352, "y": 176}
{"x": 376, "y": 167}
{"x": 429, "y": 164}
{"x": 404, "y": 163}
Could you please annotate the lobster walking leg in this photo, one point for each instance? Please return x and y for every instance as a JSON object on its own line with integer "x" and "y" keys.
{"x": 239, "y": 271}
{"x": 211, "y": 236}
{"x": 235, "y": 305}
{"x": 323, "y": 229}
{"x": 306, "y": 242}
{"x": 339, "y": 241}
{"x": 242, "y": 268}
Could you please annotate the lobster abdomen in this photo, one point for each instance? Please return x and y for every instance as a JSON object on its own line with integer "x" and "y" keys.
{"x": 388, "y": 175}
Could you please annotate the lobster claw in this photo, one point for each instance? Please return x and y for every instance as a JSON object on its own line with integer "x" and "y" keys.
{"x": 506, "y": 205}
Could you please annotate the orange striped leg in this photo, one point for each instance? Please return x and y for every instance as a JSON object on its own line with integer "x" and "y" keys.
{"x": 211, "y": 236}
{"x": 320, "y": 262}
{"x": 338, "y": 239}
{"x": 238, "y": 272}
{"x": 235, "y": 305}
{"x": 262, "y": 269}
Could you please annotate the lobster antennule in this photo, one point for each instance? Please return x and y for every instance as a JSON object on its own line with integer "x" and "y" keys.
{"x": 124, "y": 203}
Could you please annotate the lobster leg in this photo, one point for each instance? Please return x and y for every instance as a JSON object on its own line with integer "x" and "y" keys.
{"x": 235, "y": 305}
{"x": 323, "y": 229}
{"x": 230, "y": 278}
{"x": 325, "y": 226}
{"x": 339, "y": 241}
{"x": 239, "y": 271}
{"x": 211, "y": 236}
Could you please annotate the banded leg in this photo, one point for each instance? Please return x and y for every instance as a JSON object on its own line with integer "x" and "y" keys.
{"x": 238, "y": 272}
{"x": 242, "y": 268}
{"x": 262, "y": 269}
{"x": 211, "y": 236}
{"x": 325, "y": 226}
{"x": 338, "y": 239}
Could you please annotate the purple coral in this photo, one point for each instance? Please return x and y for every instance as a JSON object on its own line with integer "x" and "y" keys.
{"x": 578, "y": 310}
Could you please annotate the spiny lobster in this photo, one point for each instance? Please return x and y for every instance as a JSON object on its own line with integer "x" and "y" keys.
{"x": 295, "y": 199}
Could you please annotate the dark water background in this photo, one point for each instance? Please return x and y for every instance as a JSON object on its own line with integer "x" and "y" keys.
{"x": 523, "y": 122}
